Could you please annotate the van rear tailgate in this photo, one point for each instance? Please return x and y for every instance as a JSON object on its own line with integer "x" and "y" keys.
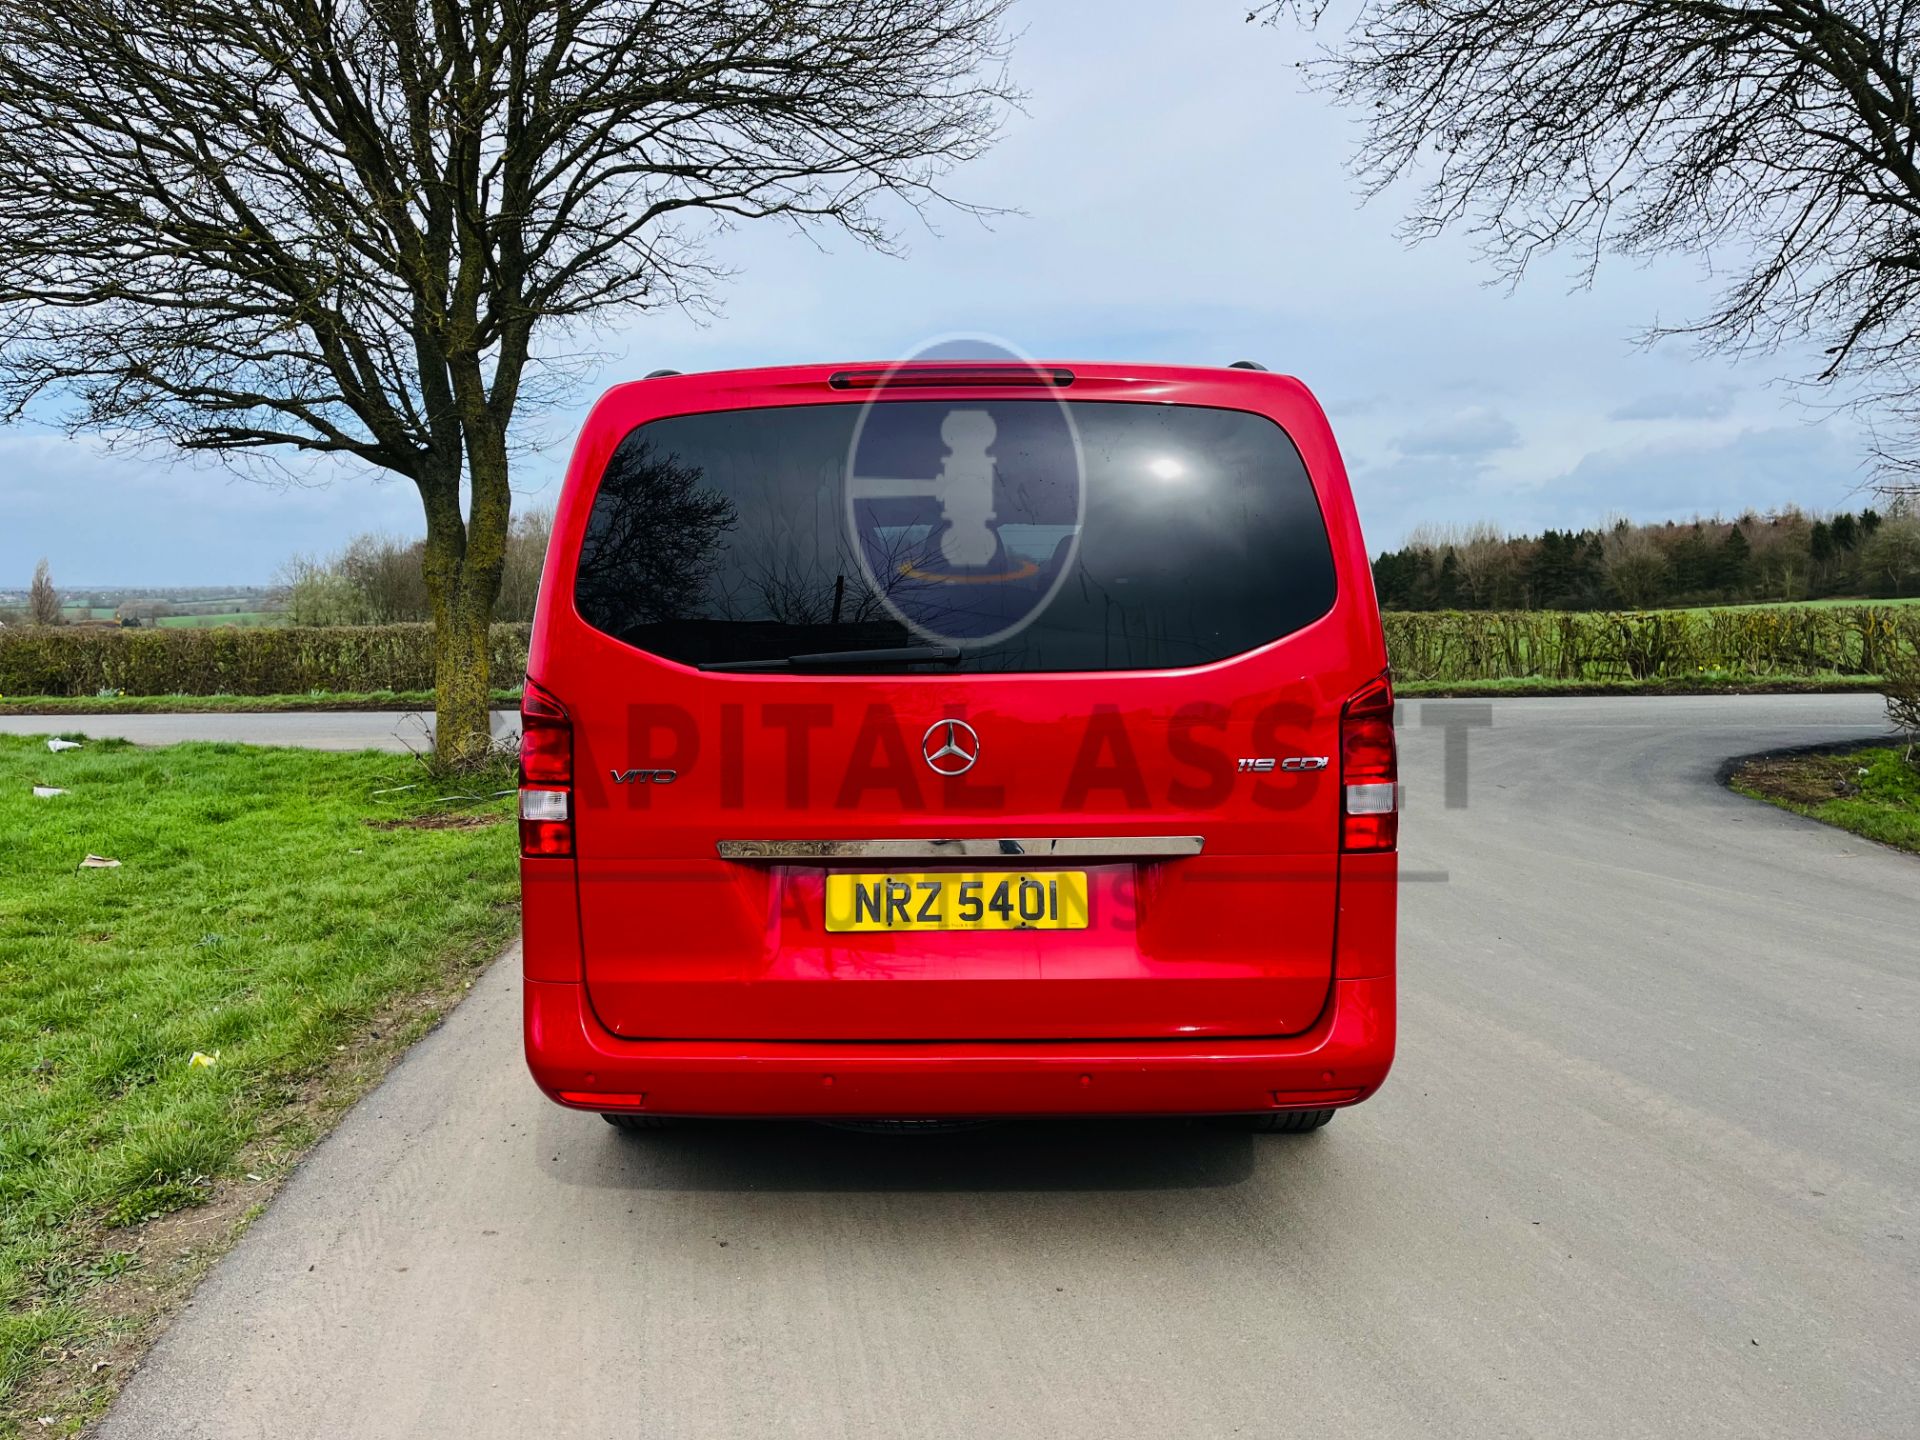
{"x": 720, "y": 950}
{"x": 1234, "y": 940}
{"x": 1153, "y": 644}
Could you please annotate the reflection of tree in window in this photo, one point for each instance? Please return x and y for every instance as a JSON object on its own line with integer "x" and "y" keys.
{"x": 790, "y": 560}
{"x": 653, "y": 540}
{"x": 765, "y": 580}
{"x": 787, "y": 561}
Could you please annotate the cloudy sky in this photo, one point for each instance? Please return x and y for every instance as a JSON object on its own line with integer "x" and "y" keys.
{"x": 1183, "y": 199}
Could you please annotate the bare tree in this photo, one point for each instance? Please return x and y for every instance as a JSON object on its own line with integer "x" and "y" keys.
{"x": 1778, "y": 139}
{"x": 1891, "y": 557}
{"x": 391, "y": 574}
{"x": 1635, "y": 565}
{"x": 526, "y": 554}
{"x": 318, "y": 593}
{"x": 43, "y": 601}
{"x": 336, "y": 227}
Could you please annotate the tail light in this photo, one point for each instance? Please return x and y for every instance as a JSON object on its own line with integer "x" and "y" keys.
{"x": 1369, "y": 770}
{"x": 546, "y": 774}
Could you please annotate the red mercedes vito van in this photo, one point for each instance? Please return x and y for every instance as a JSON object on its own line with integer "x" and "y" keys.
{"x": 958, "y": 740}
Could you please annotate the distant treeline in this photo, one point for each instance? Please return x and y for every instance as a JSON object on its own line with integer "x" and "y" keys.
{"x": 1788, "y": 556}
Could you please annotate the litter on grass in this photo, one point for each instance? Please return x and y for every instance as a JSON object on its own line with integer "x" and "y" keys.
{"x": 58, "y": 745}
{"x": 202, "y": 1061}
{"x": 99, "y": 862}
{"x": 47, "y": 792}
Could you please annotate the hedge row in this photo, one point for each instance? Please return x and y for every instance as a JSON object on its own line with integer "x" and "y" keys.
{"x": 234, "y": 660}
{"x": 1446, "y": 646}
{"x": 1649, "y": 645}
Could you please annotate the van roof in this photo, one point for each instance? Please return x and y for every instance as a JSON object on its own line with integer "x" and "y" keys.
{"x": 1081, "y": 376}
{"x": 1283, "y": 397}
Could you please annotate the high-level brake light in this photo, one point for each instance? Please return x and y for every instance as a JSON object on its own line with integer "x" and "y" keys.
{"x": 941, "y": 377}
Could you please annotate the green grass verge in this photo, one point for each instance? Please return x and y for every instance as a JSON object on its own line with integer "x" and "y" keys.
{"x": 1843, "y": 602}
{"x": 256, "y": 917}
{"x": 1872, "y": 792}
{"x": 1711, "y": 682}
{"x": 228, "y": 704}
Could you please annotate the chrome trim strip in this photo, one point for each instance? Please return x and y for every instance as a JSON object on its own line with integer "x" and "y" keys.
{"x": 1044, "y": 847}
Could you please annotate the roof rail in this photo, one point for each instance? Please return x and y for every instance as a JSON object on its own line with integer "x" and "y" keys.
{"x": 1246, "y": 365}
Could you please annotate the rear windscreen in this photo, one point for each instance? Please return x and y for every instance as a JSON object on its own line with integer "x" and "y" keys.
{"x": 994, "y": 535}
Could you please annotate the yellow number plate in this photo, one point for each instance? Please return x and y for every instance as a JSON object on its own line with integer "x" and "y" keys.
{"x": 951, "y": 900}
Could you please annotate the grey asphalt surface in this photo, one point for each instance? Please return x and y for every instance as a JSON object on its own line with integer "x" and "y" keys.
{"x": 311, "y": 730}
{"x": 1647, "y": 1166}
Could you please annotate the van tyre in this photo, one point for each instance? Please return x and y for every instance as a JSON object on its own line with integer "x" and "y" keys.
{"x": 1284, "y": 1122}
{"x": 639, "y": 1122}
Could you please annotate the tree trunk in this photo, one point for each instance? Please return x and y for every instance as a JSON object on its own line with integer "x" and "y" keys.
{"x": 462, "y": 718}
{"x": 463, "y": 565}
{"x": 461, "y": 729}
{"x": 463, "y": 560}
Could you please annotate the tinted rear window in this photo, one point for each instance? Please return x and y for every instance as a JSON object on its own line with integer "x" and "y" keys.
{"x": 1031, "y": 535}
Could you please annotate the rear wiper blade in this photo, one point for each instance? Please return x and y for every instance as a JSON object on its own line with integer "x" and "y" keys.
{"x": 830, "y": 659}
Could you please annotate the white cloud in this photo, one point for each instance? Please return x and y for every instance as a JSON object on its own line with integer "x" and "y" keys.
{"x": 1677, "y": 405}
{"x": 1476, "y": 431}
{"x": 1760, "y": 468}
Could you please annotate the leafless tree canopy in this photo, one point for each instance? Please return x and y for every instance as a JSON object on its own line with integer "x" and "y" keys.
{"x": 323, "y": 222}
{"x": 1777, "y": 138}
{"x": 43, "y": 601}
{"x": 338, "y": 225}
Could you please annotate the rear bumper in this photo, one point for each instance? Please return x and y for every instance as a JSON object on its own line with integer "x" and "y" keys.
{"x": 1341, "y": 1060}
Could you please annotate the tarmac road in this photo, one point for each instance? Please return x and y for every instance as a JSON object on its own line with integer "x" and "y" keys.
{"x": 1647, "y": 1166}
{"x": 309, "y": 729}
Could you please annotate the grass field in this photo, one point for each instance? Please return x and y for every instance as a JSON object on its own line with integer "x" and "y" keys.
{"x": 1706, "y": 682}
{"x": 268, "y": 913}
{"x": 1871, "y": 792}
{"x": 73, "y": 614}
{"x": 238, "y": 617}
{"x": 1841, "y": 603}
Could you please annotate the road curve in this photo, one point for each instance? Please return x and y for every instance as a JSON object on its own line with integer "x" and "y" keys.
{"x": 1647, "y": 1167}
